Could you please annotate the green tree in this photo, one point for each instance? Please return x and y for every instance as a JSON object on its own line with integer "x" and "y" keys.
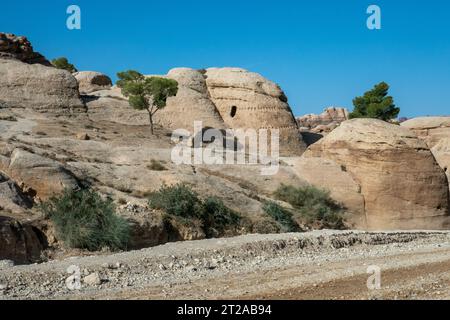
{"x": 146, "y": 93}
{"x": 375, "y": 104}
{"x": 63, "y": 63}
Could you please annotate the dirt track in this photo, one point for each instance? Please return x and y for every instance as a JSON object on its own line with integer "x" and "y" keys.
{"x": 318, "y": 265}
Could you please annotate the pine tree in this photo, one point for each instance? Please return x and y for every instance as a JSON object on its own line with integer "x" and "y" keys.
{"x": 375, "y": 104}
{"x": 146, "y": 93}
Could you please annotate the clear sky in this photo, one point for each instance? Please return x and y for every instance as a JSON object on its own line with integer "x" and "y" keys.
{"x": 320, "y": 52}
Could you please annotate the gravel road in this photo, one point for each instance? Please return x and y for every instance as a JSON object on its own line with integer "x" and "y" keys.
{"x": 313, "y": 265}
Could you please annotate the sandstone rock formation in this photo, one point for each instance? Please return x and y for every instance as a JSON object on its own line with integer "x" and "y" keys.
{"x": 90, "y": 81}
{"x": 430, "y": 129}
{"x": 19, "y": 242}
{"x": 19, "y": 48}
{"x": 111, "y": 105}
{"x": 220, "y": 98}
{"x": 248, "y": 100}
{"x": 11, "y": 196}
{"x": 325, "y": 122}
{"x": 435, "y": 131}
{"x": 37, "y": 176}
{"x": 400, "y": 183}
{"x": 192, "y": 103}
{"x": 34, "y": 86}
{"x": 28, "y": 81}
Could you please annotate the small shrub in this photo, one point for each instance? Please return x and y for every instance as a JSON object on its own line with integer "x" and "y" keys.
{"x": 156, "y": 166}
{"x": 178, "y": 200}
{"x": 63, "y": 63}
{"x": 84, "y": 220}
{"x": 282, "y": 216}
{"x": 181, "y": 201}
{"x": 314, "y": 205}
{"x": 217, "y": 216}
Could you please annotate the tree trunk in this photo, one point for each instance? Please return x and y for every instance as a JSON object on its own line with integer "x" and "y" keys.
{"x": 150, "y": 116}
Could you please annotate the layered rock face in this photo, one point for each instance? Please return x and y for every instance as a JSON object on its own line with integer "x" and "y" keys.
{"x": 435, "y": 131}
{"x": 19, "y": 48}
{"x": 401, "y": 186}
{"x": 431, "y": 129}
{"x": 26, "y": 81}
{"x": 192, "y": 103}
{"x": 90, "y": 81}
{"x": 325, "y": 122}
{"x": 247, "y": 100}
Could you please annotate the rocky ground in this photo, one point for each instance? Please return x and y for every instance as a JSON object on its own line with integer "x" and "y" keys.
{"x": 314, "y": 265}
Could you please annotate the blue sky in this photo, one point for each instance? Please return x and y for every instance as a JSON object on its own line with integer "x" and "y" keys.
{"x": 320, "y": 52}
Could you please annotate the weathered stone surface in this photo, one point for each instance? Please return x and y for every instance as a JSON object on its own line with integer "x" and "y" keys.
{"x": 435, "y": 131}
{"x": 90, "y": 81}
{"x": 192, "y": 103}
{"x": 248, "y": 100}
{"x": 430, "y": 129}
{"x": 38, "y": 176}
{"x": 38, "y": 87}
{"x": 325, "y": 122}
{"x": 19, "y": 242}
{"x": 111, "y": 105}
{"x": 11, "y": 197}
{"x": 402, "y": 185}
{"x": 14, "y": 47}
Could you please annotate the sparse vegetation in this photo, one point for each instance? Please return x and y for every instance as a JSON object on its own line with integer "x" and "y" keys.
{"x": 63, "y": 63}
{"x": 83, "y": 219}
{"x": 146, "y": 93}
{"x": 313, "y": 206}
{"x": 156, "y": 166}
{"x": 375, "y": 104}
{"x": 282, "y": 216}
{"x": 217, "y": 216}
{"x": 181, "y": 201}
{"x": 178, "y": 200}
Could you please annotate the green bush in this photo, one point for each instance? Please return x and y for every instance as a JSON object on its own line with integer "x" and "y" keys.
{"x": 178, "y": 200}
{"x": 84, "y": 220}
{"x": 217, "y": 216}
{"x": 63, "y": 63}
{"x": 181, "y": 201}
{"x": 282, "y": 216}
{"x": 314, "y": 205}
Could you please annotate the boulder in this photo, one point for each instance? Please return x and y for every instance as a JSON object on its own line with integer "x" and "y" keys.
{"x": 430, "y": 129}
{"x": 38, "y": 176}
{"x": 192, "y": 103}
{"x": 248, "y": 100}
{"x": 19, "y": 242}
{"x": 35, "y": 86}
{"x": 435, "y": 131}
{"x": 11, "y": 197}
{"x": 90, "y": 81}
{"x": 400, "y": 183}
